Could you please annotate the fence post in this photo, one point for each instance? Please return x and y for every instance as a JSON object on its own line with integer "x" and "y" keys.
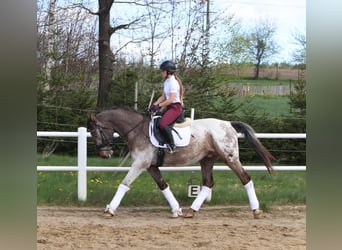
{"x": 82, "y": 163}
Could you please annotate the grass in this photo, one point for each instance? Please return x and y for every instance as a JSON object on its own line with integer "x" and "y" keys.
{"x": 264, "y": 104}
{"x": 65, "y": 160}
{"x": 60, "y": 188}
{"x": 272, "y": 105}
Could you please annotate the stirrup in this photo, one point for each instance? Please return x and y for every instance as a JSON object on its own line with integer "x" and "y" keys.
{"x": 177, "y": 213}
{"x": 172, "y": 149}
{"x": 108, "y": 212}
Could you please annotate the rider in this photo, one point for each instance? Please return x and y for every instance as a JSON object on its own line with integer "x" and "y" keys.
{"x": 172, "y": 99}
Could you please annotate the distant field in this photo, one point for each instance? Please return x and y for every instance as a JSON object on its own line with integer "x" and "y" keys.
{"x": 265, "y": 96}
{"x": 260, "y": 82}
{"x": 271, "y": 73}
{"x": 275, "y": 106}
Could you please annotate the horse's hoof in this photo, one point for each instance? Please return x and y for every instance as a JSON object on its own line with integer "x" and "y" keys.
{"x": 258, "y": 214}
{"x": 190, "y": 213}
{"x": 108, "y": 212}
{"x": 177, "y": 213}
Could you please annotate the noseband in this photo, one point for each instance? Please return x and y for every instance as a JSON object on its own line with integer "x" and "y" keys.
{"x": 106, "y": 143}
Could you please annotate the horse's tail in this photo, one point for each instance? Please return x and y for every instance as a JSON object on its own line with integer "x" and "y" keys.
{"x": 254, "y": 143}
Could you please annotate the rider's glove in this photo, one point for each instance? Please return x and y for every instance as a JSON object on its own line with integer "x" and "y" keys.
{"x": 154, "y": 108}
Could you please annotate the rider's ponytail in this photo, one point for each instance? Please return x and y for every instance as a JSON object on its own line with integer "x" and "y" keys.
{"x": 181, "y": 87}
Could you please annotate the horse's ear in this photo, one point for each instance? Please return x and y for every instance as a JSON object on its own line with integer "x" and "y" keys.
{"x": 92, "y": 117}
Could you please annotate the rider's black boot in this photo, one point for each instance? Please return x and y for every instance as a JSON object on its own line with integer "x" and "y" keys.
{"x": 167, "y": 131}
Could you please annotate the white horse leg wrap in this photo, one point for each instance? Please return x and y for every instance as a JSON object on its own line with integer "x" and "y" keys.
{"x": 120, "y": 193}
{"x": 170, "y": 198}
{"x": 253, "y": 200}
{"x": 203, "y": 194}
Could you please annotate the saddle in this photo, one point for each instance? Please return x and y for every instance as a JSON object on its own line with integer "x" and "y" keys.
{"x": 180, "y": 130}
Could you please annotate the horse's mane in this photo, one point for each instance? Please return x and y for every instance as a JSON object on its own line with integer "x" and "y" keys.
{"x": 120, "y": 108}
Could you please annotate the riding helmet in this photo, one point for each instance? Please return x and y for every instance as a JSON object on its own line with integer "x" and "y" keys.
{"x": 168, "y": 66}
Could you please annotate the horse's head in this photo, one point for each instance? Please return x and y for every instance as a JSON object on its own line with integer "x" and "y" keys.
{"x": 102, "y": 136}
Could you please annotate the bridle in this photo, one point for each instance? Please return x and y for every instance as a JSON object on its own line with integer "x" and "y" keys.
{"x": 108, "y": 143}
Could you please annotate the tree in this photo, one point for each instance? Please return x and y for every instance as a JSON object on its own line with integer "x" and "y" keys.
{"x": 191, "y": 39}
{"x": 66, "y": 55}
{"x": 233, "y": 47}
{"x": 299, "y": 54}
{"x": 50, "y": 38}
{"x": 66, "y": 48}
{"x": 106, "y": 56}
{"x": 155, "y": 16}
{"x": 298, "y": 96}
{"x": 262, "y": 43}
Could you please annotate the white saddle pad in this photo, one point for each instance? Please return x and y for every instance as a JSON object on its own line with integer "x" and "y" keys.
{"x": 180, "y": 141}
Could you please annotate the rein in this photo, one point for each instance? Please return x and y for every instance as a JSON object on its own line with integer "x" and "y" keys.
{"x": 109, "y": 142}
{"x": 134, "y": 127}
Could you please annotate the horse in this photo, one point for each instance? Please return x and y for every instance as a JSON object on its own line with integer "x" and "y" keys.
{"x": 211, "y": 139}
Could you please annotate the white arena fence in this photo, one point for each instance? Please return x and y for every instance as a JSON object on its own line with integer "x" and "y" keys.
{"x": 82, "y": 168}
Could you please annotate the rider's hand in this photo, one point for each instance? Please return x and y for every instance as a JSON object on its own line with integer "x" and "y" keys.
{"x": 154, "y": 108}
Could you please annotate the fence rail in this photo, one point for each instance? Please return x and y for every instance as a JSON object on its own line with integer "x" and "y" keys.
{"x": 82, "y": 167}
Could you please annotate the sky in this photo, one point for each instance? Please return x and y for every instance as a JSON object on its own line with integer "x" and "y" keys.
{"x": 289, "y": 16}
